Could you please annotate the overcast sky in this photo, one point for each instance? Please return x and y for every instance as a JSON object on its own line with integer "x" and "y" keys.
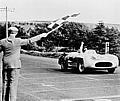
{"x": 91, "y": 11}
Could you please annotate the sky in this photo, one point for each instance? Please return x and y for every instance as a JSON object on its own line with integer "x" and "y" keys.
{"x": 91, "y": 11}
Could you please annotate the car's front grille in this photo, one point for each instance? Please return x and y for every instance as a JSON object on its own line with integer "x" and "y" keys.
{"x": 103, "y": 64}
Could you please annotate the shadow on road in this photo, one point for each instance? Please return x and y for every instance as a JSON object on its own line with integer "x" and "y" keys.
{"x": 72, "y": 71}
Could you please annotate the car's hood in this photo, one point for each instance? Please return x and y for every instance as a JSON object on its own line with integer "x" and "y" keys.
{"x": 105, "y": 57}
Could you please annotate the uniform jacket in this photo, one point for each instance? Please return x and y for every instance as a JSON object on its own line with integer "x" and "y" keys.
{"x": 11, "y": 51}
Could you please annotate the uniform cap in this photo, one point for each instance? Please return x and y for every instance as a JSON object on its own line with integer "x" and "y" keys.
{"x": 13, "y": 29}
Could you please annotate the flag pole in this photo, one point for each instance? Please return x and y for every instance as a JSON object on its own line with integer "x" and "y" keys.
{"x": 54, "y": 29}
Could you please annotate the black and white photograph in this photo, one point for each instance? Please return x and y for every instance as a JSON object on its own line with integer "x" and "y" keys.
{"x": 60, "y": 50}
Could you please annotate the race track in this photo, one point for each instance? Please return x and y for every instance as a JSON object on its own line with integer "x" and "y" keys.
{"x": 42, "y": 80}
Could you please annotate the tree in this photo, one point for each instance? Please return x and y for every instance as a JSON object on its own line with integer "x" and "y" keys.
{"x": 96, "y": 38}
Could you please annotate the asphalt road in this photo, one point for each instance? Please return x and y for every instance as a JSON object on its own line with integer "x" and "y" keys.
{"x": 42, "y": 80}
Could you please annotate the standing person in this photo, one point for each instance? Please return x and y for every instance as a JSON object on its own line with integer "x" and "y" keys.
{"x": 11, "y": 62}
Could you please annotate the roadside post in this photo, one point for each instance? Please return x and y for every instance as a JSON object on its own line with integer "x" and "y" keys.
{"x": 107, "y": 46}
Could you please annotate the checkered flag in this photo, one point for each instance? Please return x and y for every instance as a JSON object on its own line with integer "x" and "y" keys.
{"x": 61, "y": 21}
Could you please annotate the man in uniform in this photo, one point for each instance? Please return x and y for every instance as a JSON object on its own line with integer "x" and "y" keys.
{"x": 11, "y": 62}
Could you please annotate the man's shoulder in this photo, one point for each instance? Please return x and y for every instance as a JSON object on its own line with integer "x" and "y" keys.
{"x": 17, "y": 38}
{"x": 2, "y": 40}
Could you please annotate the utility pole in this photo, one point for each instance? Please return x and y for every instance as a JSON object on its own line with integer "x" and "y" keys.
{"x": 6, "y": 18}
{"x": 6, "y": 22}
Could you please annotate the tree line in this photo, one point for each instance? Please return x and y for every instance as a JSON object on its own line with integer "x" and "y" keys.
{"x": 71, "y": 35}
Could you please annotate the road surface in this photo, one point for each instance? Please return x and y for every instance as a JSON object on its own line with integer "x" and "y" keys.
{"x": 42, "y": 80}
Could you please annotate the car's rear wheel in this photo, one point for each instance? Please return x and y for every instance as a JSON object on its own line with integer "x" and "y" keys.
{"x": 80, "y": 68}
{"x": 111, "y": 70}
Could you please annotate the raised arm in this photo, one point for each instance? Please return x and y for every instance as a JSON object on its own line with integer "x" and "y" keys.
{"x": 33, "y": 39}
{"x": 38, "y": 37}
{"x": 81, "y": 47}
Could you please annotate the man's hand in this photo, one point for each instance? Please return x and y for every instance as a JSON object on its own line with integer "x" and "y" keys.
{"x": 82, "y": 43}
{"x": 43, "y": 35}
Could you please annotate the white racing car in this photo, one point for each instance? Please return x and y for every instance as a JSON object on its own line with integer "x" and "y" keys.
{"x": 89, "y": 60}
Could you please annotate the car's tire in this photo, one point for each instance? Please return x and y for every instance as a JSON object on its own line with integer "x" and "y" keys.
{"x": 80, "y": 68}
{"x": 64, "y": 66}
{"x": 111, "y": 70}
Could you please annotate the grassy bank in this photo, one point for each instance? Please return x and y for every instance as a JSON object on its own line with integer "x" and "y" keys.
{"x": 42, "y": 54}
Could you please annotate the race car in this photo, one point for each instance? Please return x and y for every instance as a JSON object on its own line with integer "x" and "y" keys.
{"x": 88, "y": 60}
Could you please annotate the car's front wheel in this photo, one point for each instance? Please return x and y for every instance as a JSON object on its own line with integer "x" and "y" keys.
{"x": 111, "y": 70}
{"x": 64, "y": 66}
{"x": 80, "y": 68}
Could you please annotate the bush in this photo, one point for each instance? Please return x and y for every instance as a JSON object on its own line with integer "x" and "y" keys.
{"x": 43, "y": 54}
